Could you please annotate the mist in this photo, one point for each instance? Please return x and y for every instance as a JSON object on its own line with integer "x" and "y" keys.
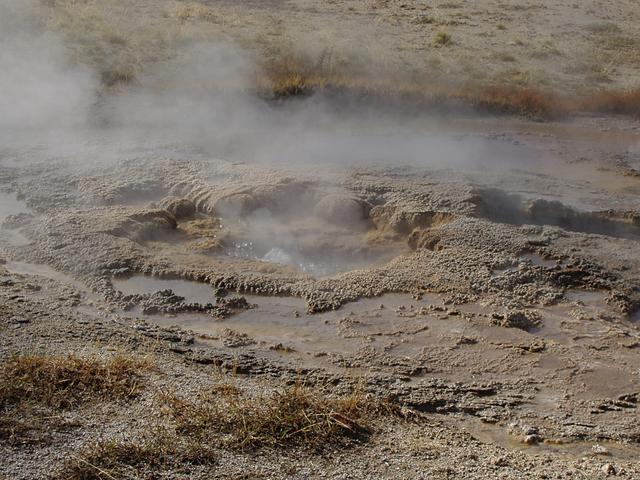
{"x": 203, "y": 97}
{"x": 41, "y": 88}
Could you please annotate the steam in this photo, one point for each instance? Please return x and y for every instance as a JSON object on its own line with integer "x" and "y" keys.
{"x": 39, "y": 85}
{"x": 203, "y": 97}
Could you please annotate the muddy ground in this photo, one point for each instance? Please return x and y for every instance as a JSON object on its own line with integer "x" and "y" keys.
{"x": 498, "y": 303}
{"x": 475, "y": 278}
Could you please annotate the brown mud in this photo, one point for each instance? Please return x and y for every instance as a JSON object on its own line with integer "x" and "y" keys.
{"x": 501, "y": 309}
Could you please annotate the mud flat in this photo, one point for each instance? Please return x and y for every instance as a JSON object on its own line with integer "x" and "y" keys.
{"x": 235, "y": 245}
{"x": 499, "y": 316}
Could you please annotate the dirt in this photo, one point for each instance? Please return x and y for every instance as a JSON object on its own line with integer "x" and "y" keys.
{"x": 478, "y": 274}
{"x": 481, "y": 321}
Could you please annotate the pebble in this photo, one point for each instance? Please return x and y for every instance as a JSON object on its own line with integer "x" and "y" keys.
{"x": 599, "y": 450}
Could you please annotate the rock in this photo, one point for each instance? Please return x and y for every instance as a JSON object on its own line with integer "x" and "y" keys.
{"x": 608, "y": 469}
{"x": 522, "y": 319}
{"x": 144, "y": 225}
{"x": 16, "y": 221}
{"x": 424, "y": 239}
{"x": 235, "y": 302}
{"x": 233, "y": 339}
{"x": 530, "y": 435}
{"x": 536, "y": 346}
{"x": 19, "y": 320}
{"x": 499, "y": 461}
{"x": 281, "y": 348}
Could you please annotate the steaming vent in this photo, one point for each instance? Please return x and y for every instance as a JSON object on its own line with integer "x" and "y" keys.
{"x": 291, "y": 224}
{"x": 317, "y": 234}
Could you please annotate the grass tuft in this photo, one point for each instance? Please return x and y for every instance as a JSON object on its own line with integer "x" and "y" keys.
{"x": 193, "y": 11}
{"x": 116, "y": 459}
{"x": 530, "y": 103}
{"x": 194, "y": 430}
{"x": 293, "y": 416}
{"x": 621, "y": 102}
{"x": 442, "y": 39}
{"x": 65, "y": 381}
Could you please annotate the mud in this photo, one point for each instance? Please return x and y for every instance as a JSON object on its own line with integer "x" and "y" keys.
{"x": 501, "y": 309}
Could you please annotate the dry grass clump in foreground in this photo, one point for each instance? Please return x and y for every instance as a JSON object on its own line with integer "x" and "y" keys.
{"x": 65, "y": 381}
{"x": 113, "y": 459}
{"x": 191, "y": 431}
{"x": 294, "y": 416}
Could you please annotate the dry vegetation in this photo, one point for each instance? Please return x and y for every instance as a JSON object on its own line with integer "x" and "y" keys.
{"x": 107, "y": 36}
{"x": 293, "y": 78}
{"x": 621, "y": 102}
{"x": 195, "y": 431}
{"x": 63, "y": 382}
{"x": 116, "y": 459}
{"x": 293, "y": 416}
{"x": 32, "y": 385}
{"x": 186, "y": 430}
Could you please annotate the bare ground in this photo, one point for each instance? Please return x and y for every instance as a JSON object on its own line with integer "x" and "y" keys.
{"x": 413, "y": 296}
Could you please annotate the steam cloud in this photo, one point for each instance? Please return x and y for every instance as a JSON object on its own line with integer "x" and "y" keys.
{"x": 201, "y": 98}
{"x": 39, "y": 86}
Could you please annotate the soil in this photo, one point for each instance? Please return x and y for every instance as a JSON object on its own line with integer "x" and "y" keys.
{"x": 492, "y": 317}
{"x": 480, "y": 273}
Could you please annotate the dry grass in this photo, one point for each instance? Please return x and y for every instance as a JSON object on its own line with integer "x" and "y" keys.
{"x": 193, "y": 11}
{"x": 66, "y": 381}
{"x": 293, "y": 416}
{"x": 110, "y": 39}
{"x": 32, "y": 385}
{"x": 291, "y": 75}
{"x": 531, "y": 103}
{"x": 117, "y": 459}
{"x": 192, "y": 431}
{"x": 442, "y": 39}
{"x": 16, "y": 431}
{"x": 515, "y": 96}
{"x": 622, "y": 102}
{"x": 417, "y": 96}
{"x": 106, "y": 37}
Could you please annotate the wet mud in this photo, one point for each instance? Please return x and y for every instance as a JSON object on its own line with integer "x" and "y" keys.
{"x": 505, "y": 308}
